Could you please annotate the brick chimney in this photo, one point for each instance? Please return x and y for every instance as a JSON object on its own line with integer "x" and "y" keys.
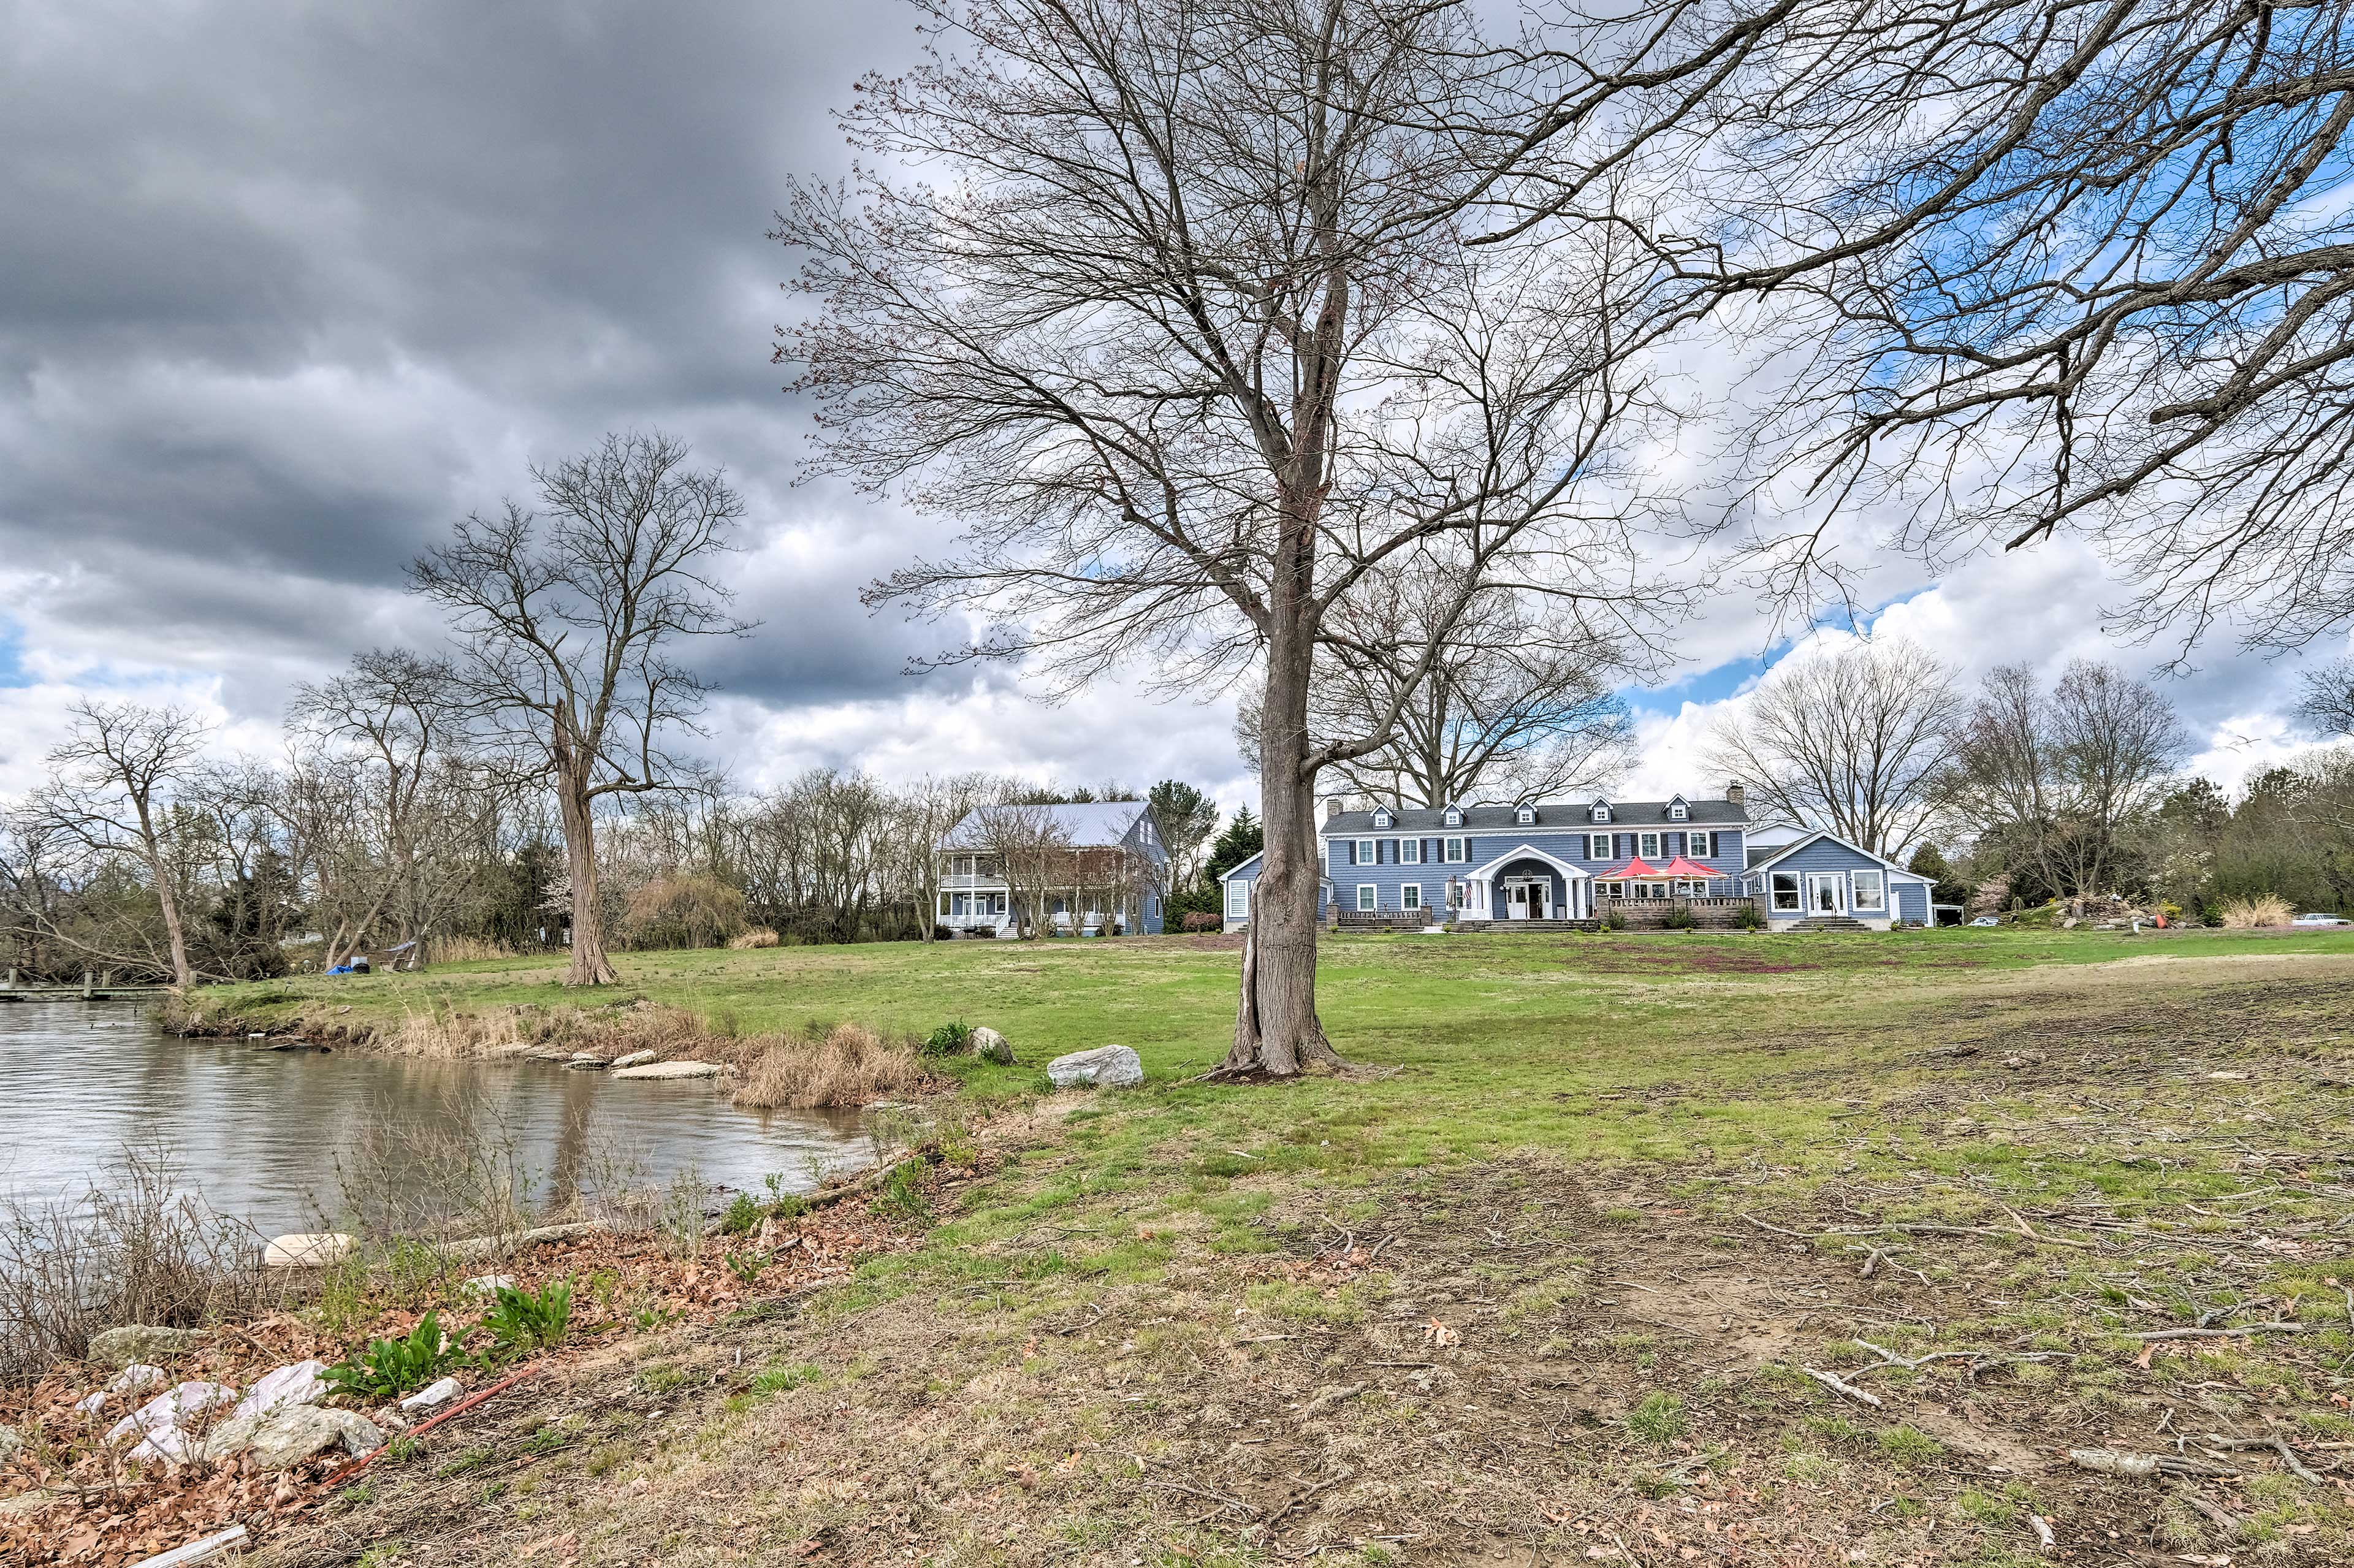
{"x": 1735, "y": 795}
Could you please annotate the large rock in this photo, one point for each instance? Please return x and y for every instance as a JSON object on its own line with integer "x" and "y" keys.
{"x": 174, "y": 1408}
{"x": 294, "y": 1436}
{"x": 309, "y": 1249}
{"x": 989, "y": 1045}
{"x": 141, "y": 1342}
{"x": 11, "y": 1444}
{"x": 669, "y": 1070}
{"x": 302, "y": 1383}
{"x": 1105, "y": 1067}
{"x": 634, "y": 1059}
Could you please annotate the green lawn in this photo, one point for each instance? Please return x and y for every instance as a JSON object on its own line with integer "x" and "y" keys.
{"x": 1547, "y": 1274}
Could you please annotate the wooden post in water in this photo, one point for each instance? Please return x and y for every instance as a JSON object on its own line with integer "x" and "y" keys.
{"x": 85, "y": 985}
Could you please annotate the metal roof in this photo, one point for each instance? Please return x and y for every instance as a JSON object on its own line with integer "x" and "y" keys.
{"x": 1088, "y": 825}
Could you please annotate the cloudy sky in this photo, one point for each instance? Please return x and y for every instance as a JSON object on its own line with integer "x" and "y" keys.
{"x": 287, "y": 287}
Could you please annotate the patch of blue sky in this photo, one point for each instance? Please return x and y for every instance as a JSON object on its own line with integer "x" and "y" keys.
{"x": 12, "y": 655}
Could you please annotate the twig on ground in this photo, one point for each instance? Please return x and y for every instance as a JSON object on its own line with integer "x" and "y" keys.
{"x": 2238, "y": 1330}
{"x": 2121, "y": 1462}
{"x": 2221, "y": 1517}
{"x": 2271, "y": 1440}
{"x": 2044, "y": 1540}
{"x": 1838, "y": 1384}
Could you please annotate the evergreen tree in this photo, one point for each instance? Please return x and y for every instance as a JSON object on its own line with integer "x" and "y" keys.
{"x": 1244, "y": 838}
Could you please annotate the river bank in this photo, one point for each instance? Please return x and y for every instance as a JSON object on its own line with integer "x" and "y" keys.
{"x": 1788, "y": 1250}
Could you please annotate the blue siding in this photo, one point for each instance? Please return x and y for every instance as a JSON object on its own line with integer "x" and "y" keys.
{"x": 1566, "y": 843}
{"x": 1910, "y": 894}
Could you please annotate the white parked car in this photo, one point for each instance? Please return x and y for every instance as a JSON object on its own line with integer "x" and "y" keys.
{"x": 2320, "y": 920}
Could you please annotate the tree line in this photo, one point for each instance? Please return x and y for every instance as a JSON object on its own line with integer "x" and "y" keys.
{"x": 2025, "y": 790}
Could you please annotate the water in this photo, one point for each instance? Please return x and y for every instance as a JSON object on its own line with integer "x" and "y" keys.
{"x": 257, "y": 1132}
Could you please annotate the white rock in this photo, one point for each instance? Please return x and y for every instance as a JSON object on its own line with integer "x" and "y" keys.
{"x": 670, "y": 1070}
{"x": 488, "y": 1284}
{"x": 12, "y": 1443}
{"x": 173, "y": 1408}
{"x": 308, "y": 1249}
{"x": 136, "y": 1377}
{"x": 294, "y": 1436}
{"x": 202, "y": 1550}
{"x": 634, "y": 1059}
{"x": 432, "y": 1396}
{"x": 300, "y": 1384}
{"x": 989, "y": 1045}
{"x": 1106, "y": 1067}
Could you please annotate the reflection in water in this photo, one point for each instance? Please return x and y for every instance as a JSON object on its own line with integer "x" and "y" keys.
{"x": 259, "y": 1132}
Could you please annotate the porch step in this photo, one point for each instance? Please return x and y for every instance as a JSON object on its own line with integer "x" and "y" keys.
{"x": 1830, "y": 923}
{"x": 1528, "y": 924}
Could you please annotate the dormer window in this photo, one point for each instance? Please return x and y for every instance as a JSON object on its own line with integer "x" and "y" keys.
{"x": 1676, "y": 811}
{"x": 1601, "y": 810}
{"x": 1454, "y": 816}
{"x": 1525, "y": 815}
{"x": 1381, "y": 819}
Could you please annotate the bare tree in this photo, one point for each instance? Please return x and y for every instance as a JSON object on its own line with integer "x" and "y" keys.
{"x": 111, "y": 792}
{"x": 1856, "y": 742}
{"x": 2060, "y": 778}
{"x": 1185, "y": 334}
{"x": 2061, "y": 265}
{"x": 1029, "y": 847}
{"x": 566, "y": 625}
{"x": 414, "y": 804}
{"x": 1514, "y": 707}
{"x": 928, "y": 809}
{"x": 2327, "y": 702}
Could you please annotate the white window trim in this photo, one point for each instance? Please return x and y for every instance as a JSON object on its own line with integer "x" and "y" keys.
{"x": 1698, "y": 843}
{"x": 1454, "y": 818}
{"x": 1525, "y": 815}
{"x": 1607, "y": 842}
{"x": 1410, "y": 895}
{"x": 1238, "y": 900}
{"x": 1774, "y": 892}
{"x": 1855, "y": 892}
{"x": 1409, "y": 852}
{"x": 1648, "y": 845}
{"x": 1676, "y": 813}
{"x": 1601, "y": 813}
{"x": 1457, "y": 851}
{"x": 1369, "y": 897}
{"x": 1369, "y": 851}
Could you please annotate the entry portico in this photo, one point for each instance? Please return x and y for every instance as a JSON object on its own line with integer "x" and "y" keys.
{"x": 1526, "y": 883}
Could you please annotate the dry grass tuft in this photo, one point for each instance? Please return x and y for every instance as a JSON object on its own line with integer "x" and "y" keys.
{"x": 850, "y": 1066}
{"x": 465, "y": 950}
{"x": 757, "y": 936}
{"x": 2247, "y": 913}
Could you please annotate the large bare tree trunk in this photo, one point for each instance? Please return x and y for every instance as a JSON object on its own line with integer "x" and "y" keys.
{"x": 1276, "y": 1032}
{"x": 589, "y": 965}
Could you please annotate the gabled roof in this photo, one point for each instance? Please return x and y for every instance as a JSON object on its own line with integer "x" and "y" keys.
{"x": 1556, "y": 816}
{"x": 1817, "y": 836}
{"x": 1528, "y": 851}
{"x": 1242, "y": 865}
{"x": 1089, "y": 825}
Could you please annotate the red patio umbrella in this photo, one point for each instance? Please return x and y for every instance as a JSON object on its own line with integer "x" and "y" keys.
{"x": 1633, "y": 870}
{"x": 1682, "y": 869}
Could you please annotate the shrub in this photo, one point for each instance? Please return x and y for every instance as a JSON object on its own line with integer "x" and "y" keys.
{"x": 743, "y": 1214}
{"x": 1680, "y": 919}
{"x": 852, "y": 1065}
{"x": 387, "y": 1368}
{"x": 1202, "y": 920}
{"x": 2247, "y": 913}
{"x": 1613, "y": 921}
{"x": 526, "y": 1321}
{"x": 683, "y": 912}
{"x": 133, "y": 1250}
{"x": 948, "y": 1039}
{"x": 1752, "y": 917}
{"x": 757, "y": 936}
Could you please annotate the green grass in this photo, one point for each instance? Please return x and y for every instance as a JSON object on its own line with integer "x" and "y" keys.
{"x": 1682, "y": 1081}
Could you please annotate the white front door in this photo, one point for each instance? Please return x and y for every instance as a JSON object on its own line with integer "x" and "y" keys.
{"x": 1826, "y": 893}
{"x": 1531, "y": 898}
